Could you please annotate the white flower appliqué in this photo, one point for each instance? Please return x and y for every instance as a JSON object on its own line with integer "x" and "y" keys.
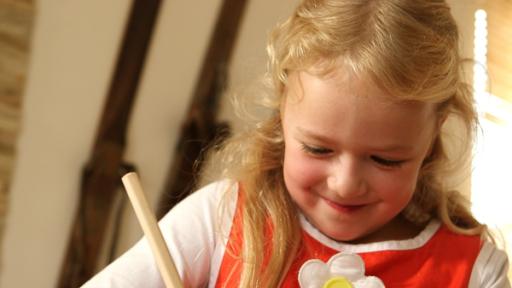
{"x": 341, "y": 271}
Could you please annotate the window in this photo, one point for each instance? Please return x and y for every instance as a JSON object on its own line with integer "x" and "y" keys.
{"x": 491, "y": 182}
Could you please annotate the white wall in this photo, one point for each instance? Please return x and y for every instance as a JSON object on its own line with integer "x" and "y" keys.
{"x": 73, "y": 52}
{"x": 74, "y": 44}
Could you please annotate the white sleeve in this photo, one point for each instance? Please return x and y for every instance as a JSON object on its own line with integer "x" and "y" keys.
{"x": 490, "y": 269}
{"x": 190, "y": 231}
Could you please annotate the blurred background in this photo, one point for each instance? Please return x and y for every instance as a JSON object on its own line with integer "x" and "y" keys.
{"x": 57, "y": 58}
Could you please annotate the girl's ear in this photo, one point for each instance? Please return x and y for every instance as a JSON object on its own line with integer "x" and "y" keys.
{"x": 440, "y": 121}
{"x": 282, "y": 104}
{"x": 435, "y": 137}
{"x": 431, "y": 148}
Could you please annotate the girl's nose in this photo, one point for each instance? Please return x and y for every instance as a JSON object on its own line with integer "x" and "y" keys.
{"x": 346, "y": 178}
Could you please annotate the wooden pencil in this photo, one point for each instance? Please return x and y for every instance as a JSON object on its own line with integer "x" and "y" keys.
{"x": 153, "y": 234}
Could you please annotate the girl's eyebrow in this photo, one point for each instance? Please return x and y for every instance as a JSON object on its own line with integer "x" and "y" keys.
{"x": 314, "y": 136}
{"x": 323, "y": 139}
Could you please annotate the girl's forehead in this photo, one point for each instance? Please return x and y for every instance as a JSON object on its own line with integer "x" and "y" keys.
{"x": 344, "y": 81}
{"x": 348, "y": 93}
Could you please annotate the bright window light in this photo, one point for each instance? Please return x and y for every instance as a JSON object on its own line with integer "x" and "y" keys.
{"x": 491, "y": 189}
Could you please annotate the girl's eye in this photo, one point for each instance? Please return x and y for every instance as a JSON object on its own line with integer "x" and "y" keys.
{"x": 315, "y": 150}
{"x": 387, "y": 162}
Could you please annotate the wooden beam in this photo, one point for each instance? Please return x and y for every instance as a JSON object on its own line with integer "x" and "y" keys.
{"x": 201, "y": 126}
{"x": 101, "y": 176}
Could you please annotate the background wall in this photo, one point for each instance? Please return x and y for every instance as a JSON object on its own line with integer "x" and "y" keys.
{"x": 75, "y": 44}
{"x": 74, "y": 47}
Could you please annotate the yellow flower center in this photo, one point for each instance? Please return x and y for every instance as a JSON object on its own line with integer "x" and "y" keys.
{"x": 337, "y": 282}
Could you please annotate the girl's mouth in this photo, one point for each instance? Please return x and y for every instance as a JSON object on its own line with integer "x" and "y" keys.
{"x": 344, "y": 208}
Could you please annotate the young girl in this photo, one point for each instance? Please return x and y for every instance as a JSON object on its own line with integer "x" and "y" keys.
{"x": 343, "y": 185}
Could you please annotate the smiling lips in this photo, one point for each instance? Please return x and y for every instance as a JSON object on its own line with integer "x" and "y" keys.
{"x": 344, "y": 208}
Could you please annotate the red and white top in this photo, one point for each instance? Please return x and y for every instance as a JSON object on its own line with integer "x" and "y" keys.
{"x": 197, "y": 233}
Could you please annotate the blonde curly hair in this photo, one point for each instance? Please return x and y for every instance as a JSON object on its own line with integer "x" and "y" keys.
{"x": 410, "y": 48}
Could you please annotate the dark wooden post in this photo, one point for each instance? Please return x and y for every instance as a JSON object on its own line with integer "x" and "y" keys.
{"x": 201, "y": 127}
{"x": 101, "y": 179}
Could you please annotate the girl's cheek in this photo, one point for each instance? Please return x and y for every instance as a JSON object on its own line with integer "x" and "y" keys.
{"x": 401, "y": 182}
{"x": 303, "y": 169}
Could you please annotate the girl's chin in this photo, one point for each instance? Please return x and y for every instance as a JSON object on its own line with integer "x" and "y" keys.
{"x": 352, "y": 237}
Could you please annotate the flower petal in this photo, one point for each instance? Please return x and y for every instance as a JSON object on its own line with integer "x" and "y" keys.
{"x": 350, "y": 266}
{"x": 313, "y": 274}
{"x": 369, "y": 282}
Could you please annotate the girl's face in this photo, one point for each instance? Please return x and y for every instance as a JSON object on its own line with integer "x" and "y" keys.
{"x": 352, "y": 157}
